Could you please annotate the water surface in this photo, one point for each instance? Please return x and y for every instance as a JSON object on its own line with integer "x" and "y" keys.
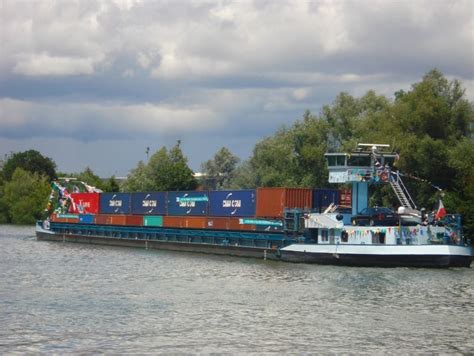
{"x": 62, "y": 297}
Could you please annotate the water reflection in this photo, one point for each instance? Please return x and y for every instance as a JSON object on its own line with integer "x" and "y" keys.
{"x": 64, "y": 298}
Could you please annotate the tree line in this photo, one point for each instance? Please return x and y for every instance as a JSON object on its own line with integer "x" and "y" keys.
{"x": 430, "y": 126}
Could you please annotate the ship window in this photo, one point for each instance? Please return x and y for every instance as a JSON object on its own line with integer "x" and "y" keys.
{"x": 359, "y": 161}
{"x": 336, "y": 161}
{"x": 344, "y": 236}
{"x": 324, "y": 236}
{"x": 389, "y": 161}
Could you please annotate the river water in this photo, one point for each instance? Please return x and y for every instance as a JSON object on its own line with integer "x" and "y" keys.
{"x": 72, "y": 298}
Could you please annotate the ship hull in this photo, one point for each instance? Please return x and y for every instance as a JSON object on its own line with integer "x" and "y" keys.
{"x": 228, "y": 250}
{"x": 430, "y": 256}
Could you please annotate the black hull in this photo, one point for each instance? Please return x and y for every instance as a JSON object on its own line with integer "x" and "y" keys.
{"x": 360, "y": 260}
{"x": 239, "y": 251}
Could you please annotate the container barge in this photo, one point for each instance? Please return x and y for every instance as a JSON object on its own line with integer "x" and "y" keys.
{"x": 284, "y": 224}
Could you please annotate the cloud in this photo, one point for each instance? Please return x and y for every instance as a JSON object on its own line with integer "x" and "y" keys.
{"x": 42, "y": 64}
{"x": 212, "y": 72}
{"x": 91, "y": 121}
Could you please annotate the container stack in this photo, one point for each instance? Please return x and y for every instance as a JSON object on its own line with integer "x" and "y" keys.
{"x": 259, "y": 209}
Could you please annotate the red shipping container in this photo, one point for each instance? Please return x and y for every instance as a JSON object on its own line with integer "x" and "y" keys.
{"x": 84, "y": 203}
{"x": 111, "y": 219}
{"x": 271, "y": 202}
{"x": 64, "y": 218}
{"x": 346, "y": 197}
{"x": 227, "y": 223}
{"x": 134, "y": 220}
{"x": 193, "y": 222}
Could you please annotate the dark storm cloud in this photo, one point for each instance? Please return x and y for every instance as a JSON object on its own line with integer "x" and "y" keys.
{"x": 211, "y": 74}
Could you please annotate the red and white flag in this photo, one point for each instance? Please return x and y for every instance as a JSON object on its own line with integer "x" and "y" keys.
{"x": 441, "y": 211}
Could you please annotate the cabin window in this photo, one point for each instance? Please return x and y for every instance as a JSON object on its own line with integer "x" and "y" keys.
{"x": 359, "y": 161}
{"x": 389, "y": 161}
{"x": 336, "y": 161}
{"x": 324, "y": 236}
{"x": 344, "y": 236}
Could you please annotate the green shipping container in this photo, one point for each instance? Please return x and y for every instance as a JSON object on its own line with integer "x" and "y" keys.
{"x": 150, "y": 220}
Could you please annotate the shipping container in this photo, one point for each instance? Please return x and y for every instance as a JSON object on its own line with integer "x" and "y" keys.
{"x": 65, "y": 218}
{"x": 114, "y": 203}
{"x": 228, "y": 223}
{"x": 191, "y": 222}
{"x": 188, "y": 203}
{"x": 86, "y": 218}
{"x": 232, "y": 203}
{"x": 271, "y": 202}
{"x": 346, "y": 197}
{"x": 84, "y": 203}
{"x": 151, "y": 220}
{"x": 322, "y": 198}
{"x": 134, "y": 220}
{"x": 110, "y": 219}
{"x": 149, "y": 203}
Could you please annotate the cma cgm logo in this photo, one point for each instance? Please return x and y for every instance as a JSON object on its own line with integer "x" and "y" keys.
{"x": 187, "y": 201}
{"x": 115, "y": 203}
{"x": 190, "y": 202}
{"x": 149, "y": 203}
{"x": 231, "y": 203}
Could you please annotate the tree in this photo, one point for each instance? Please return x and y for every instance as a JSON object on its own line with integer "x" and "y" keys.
{"x": 273, "y": 160}
{"x": 243, "y": 177}
{"x": 31, "y": 161}
{"x": 293, "y": 157}
{"x": 25, "y": 196}
{"x": 220, "y": 171}
{"x": 89, "y": 177}
{"x": 179, "y": 175}
{"x": 111, "y": 185}
{"x": 3, "y": 207}
{"x": 165, "y": 171}
{"x": 137, "y": 180}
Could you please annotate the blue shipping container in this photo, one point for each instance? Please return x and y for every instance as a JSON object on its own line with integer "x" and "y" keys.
{"x": 114, "y": 203}
{"x": 188, "y": 203}
{"x": 322, "y": 198}
{"x": 232, "y": 203}
{"x": 86, "y": 218}
{"x": 151, "y": 203}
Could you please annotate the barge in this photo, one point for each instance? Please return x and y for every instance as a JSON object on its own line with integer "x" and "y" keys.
{"x": 424, "y": 248}
{"x": 271, "y": 223}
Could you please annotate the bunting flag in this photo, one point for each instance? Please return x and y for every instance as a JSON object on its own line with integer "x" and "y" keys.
{"x": 441, "y": 211}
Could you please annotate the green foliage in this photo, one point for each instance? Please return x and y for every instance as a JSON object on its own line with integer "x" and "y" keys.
{"x": 89, "y": 177}
{"x": 165, "y": 171}
{"x": 3, "y": 207}
{"x": 25, "y": 196}
{"x": 137, "y": 180}
{"x": 220, "y": 171}
{"x": 244, "y": 177}
{"x": 111, "y": 185}
{"x": 31, "y": 161}
{"x": 293, "y": 156}
{"x": 430, "y": 126}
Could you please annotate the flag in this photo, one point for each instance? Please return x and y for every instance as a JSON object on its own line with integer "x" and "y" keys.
{"x": 441, "y": 211}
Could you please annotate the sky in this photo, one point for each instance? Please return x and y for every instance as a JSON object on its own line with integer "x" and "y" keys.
{"x": 93, "y": 83}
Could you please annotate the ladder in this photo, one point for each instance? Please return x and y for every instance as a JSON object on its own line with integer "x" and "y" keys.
{"x": 401, "y": 191}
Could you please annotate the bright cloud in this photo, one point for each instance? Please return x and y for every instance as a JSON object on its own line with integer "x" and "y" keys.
{"x": 220, "y": 69}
